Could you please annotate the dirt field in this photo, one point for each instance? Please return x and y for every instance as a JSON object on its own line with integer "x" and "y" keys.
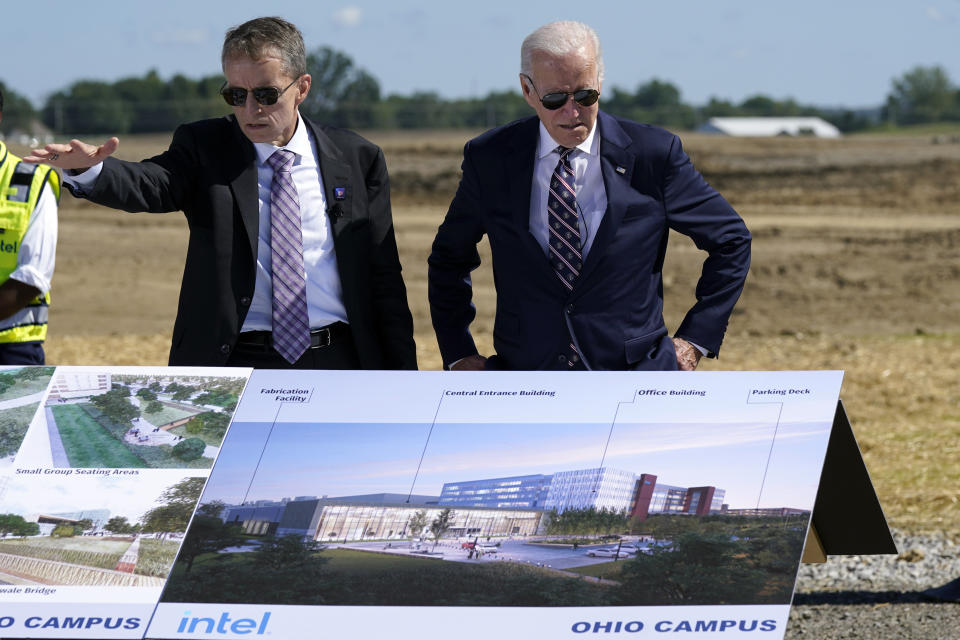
{"x": 856, "y": 266}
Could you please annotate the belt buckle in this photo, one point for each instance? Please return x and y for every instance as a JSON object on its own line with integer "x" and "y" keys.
{"x": 320, "y": 338}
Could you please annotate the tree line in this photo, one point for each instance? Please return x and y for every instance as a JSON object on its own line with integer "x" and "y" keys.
{"x": 346, "y": 95}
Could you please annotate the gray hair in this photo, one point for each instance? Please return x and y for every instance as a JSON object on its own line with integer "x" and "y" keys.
{"x": 265, "y": 37}
{"x": 560, "y": 39}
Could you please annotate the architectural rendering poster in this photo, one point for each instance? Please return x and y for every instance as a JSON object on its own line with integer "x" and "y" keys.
{"x": 538, "y": 505}
{"x": 95, "y": 497}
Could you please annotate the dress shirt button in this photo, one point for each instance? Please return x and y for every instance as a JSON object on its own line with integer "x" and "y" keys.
{"x": 569, "y": 308}
{"x": 224, "y": 349}
{"x": 561, "y": 358}
{"x": 245, "y": 301}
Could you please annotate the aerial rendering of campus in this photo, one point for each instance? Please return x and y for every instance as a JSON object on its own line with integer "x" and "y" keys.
{"x": 96, "y": 419}
{"x": 103, "y": 474}
{"x": 498, "y": 515}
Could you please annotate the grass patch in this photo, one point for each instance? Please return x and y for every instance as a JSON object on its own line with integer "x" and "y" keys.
{"x": 161, "y": 457}
{"x": 606, "y": 570}
{"x": 155, "y": 457}
{"x": 168, "y": 415}
{"x": 156, "y": 557}
{"x": 930, "y": 128}
{"x": 90, "y": 445}
{"x": 13, "y": 427}
{"x": 213, "y": 441}
{"x": 87, "y": 552}
{"x": 26, "y": 386}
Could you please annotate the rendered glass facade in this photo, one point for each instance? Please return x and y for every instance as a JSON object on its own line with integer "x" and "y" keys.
{"x": 585, "y": 488}
{"x": 351, "y": 522}
{"x": 517, "y": 492}
{"x": 670, "y": 499}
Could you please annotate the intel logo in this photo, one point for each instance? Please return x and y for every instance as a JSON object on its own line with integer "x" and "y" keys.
{"x": 224, "y": 625}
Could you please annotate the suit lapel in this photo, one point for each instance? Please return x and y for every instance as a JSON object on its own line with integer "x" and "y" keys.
{"x": 518, "y": 166}
{"x": 616, "y": 167}
{"x": 244, "y": 188}
{"x": 335, "y": 175}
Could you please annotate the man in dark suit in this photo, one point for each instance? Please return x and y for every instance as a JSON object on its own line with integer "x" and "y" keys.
{"x": 292, "y": 261}
{"x": 577, "y": 205}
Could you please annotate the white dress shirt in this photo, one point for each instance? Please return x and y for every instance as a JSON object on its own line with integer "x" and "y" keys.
{"x": 38, "y": 248}
{"x": 324, "y": 291}
{"x": 587, "y": 182}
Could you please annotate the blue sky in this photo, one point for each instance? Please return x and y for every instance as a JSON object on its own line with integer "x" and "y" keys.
{"x": 351, "y": 459}
{"x": 824, "y": 53}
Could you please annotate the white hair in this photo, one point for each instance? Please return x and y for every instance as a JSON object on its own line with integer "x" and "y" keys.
{"x": 561, "y": 39}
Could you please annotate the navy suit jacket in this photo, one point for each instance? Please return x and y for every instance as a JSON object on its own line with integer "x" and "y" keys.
{"x": 210, "y": 173}
{"x": 615, "y": 311}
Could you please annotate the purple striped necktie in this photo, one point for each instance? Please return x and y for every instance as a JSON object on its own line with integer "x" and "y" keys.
{"x": 563, "y": 222}
{"x": 291, "y": 322}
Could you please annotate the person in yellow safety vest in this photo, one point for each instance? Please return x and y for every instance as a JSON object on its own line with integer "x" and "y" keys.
{"x": 29, "y": 194}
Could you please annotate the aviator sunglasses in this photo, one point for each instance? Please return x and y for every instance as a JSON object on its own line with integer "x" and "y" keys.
{"x": 555, "y": 100}
{"x": 265, "y": 96}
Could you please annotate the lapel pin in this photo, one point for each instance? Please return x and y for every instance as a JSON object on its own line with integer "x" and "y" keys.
{"x": 339, "y": 193}
{"x": 621, "y": 170}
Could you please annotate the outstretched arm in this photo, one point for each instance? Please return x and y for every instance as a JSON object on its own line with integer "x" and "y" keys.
{"x": 75, "y": 155}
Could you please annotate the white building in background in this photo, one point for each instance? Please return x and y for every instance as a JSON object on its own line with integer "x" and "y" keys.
{"x": 79, "y": 385}
{"x": 770, "y": 127}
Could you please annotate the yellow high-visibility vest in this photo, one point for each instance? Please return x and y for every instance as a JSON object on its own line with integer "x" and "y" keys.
{"x": 20, "y": 188}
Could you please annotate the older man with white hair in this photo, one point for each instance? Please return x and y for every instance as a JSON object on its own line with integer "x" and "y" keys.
{"x": 578, "y": 205}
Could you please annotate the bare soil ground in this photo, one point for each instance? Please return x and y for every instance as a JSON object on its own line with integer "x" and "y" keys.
{"x": 856, "y": 266}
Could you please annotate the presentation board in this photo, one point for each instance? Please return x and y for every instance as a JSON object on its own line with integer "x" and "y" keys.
{"x": 542, "y": 505}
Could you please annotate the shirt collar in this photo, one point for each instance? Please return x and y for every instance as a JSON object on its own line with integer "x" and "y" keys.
{"x": 548, "y": 145}
{"x": 299, "y": 143}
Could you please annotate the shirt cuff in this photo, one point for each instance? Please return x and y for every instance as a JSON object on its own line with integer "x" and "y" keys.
{"x": 86, "y": 179}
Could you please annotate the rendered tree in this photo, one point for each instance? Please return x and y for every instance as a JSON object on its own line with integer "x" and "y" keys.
{"x": 440, "y": 525}
{"x": 208, "y": 534}
{"x": 146, "y": 394}
{"x": 118, "y": 524}
{"x": 177, "y": 505}
{"x": 11, "y": 523}
{"x": 417, "y": 523}
{"x": 189, "y": 449}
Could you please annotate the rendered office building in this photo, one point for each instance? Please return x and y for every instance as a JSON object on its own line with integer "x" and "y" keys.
{"x": 664, "y": 498}
{"x": 598, "y": 488}
{"x": 584, "y": 488}
{"x": 580, "y": 489}
{"x": 516, "y": 492}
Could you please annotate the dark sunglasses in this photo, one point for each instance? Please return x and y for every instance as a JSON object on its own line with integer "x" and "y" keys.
{"x": 265, "y": 96}
{"x": 553, "y": 101}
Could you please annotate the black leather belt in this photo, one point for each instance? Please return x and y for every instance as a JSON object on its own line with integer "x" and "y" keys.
{"x": 319, "y": 338}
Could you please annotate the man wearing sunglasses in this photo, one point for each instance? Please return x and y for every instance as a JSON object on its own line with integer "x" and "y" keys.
{"x": 577, "y": 205}
{"x": 292, "y": 261}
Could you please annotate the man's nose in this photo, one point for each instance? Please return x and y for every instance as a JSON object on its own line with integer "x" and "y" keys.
{"x": 570, "y": 107}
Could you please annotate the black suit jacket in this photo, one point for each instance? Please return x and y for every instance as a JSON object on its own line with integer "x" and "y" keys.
{"x": 615, "y": 311}
{"x": 210, "y": 173}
